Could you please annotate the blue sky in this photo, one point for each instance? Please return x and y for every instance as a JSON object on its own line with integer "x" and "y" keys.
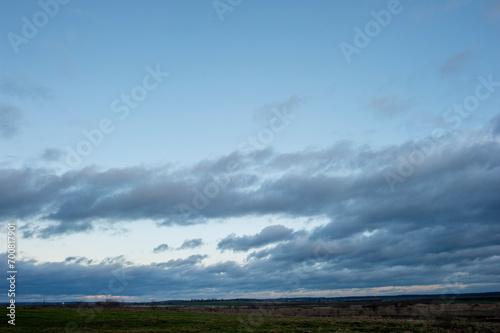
{"x": 233, "y": 147}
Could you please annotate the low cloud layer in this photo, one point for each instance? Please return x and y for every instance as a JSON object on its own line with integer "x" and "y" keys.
{"x": 323, "y": 274}
{"x": 438, "y": 226}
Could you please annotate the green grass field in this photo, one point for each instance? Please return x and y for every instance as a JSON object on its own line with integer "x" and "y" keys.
{"x": 86, "y": 320}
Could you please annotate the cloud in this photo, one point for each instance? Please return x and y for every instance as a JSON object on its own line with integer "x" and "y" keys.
{"x": 268, "y": 235}
{"x": 388, "y": 106}
{"x": 10, "y": 118}
{"x": 345, "y": 183}
{"x": 423, "y": 11}
{"x": 52, "y": 154}
{"x": 451, "y": 5}
{"x": 265, "y": 113}
{"x": 63, "y": 229}
{"x": 22, "y": 87}
{"x": 445, "y": 215}
{"x": 160, "y": 248}
{"x": 456, "y": 63}
{"x": 333, "y": 275}
{"x": 495, "y": 125}
{"x": 116, "y": 260}
{"x": 428, "y": 10}
{"x": 78, "y": 260}
{"x": 491, "y": 11}
{"x": 191, "y": 244}
{"x": 190, "y": 261}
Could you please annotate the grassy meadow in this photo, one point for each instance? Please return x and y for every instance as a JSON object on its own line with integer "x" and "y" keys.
{"x": 129, "y": 319}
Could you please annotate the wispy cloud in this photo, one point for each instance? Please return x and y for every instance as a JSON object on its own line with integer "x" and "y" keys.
{"x": 22, "y": 87}
{"x": 456, "y": 63}
{"x": 10, "y": 118}
{"x": 389, "y": 105}
{"x": 495, "y": 125}
{"x": 265, "y": 113}
{"x": 491, "y": 11}
{"x": 52, "y": 154}
{"x": 427, "y": 10}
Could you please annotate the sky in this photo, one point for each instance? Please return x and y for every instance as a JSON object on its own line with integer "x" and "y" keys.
{"x": 236, "y": 148}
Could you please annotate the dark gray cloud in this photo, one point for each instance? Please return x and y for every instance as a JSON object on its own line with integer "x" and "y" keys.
{"x": 189, "y": 278}
{"x": 10, "y": 118}
{"x": 160, "y": 248}
{"x": 191, "y": 243}
{"x": 444, "y": 215}
{"x": 456, "y": 63}
{"x": 345, "y": 183}
{"x": 268, "y": 235}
